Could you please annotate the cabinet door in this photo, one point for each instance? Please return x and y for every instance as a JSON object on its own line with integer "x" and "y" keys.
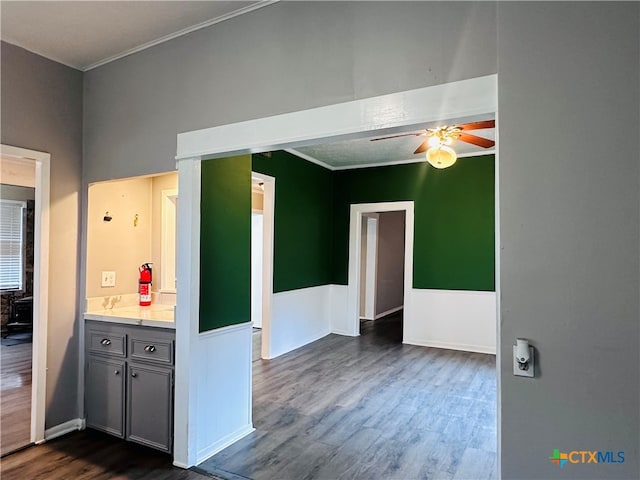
{"x": 150, "y": 406}
{"x": 104, "y": 395}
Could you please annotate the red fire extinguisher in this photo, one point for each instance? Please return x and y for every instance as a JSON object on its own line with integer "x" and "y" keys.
{"x": 144, "y": 284}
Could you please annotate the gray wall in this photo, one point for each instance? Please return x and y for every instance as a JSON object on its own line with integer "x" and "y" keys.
{"x": 42, "y": 110}
{"x": 285, "y": 57}
{"x": 390, "y": 271}
{"x": 568, "y": 84}
{"x": 569, "y": 222}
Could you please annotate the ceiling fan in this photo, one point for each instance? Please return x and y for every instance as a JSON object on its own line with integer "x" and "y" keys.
{"x": 439, "y": 153}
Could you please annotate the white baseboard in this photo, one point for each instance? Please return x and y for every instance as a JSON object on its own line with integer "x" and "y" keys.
{"x": 310, "y": 339}
{"x": 453, "y": 346}
{"x": 221, "y": 444}
{"x": 388, "y": 312}
{"x": 64, "y": 428}
{"x": 344, "y": 332}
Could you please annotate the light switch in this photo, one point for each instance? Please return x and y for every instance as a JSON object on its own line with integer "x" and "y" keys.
{"x": 108, "y": 279}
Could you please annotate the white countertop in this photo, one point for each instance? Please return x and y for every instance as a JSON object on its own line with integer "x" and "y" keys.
{"x": 155, "y": 315}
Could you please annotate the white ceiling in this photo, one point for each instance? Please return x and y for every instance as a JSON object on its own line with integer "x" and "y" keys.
{"x": 86, "y": 34}
{"x": 363, "y": 152}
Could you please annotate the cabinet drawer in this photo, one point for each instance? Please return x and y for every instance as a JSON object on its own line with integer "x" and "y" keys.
{"x": 107, "y": 343}
{"x": 149, "y": 349}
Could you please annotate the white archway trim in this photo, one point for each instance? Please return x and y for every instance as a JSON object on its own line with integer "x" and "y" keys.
{"x": 462, "y": 100}
{"x": 40, "y": 284}
{"x": 465, "y": 100}
{"x": 267, "y": 259}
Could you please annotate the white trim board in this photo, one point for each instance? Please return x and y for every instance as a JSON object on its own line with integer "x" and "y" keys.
{"x": 64, "y": 428}
{"x": 338, "y": 310}
{"x": 462, "y": 99}
{"x": 40, "y": 283}
{"x": 268, "y": 228}
{"x": 187, "y": 314}
{"x": 177, "y": 34}
{"x": 211, "y": 450}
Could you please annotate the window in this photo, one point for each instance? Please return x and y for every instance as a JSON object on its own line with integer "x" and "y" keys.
{"x": 11, "y": 247}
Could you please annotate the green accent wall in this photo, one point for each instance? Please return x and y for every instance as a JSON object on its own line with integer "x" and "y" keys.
{"x": 454, "y": 219}
{"x": 303, "y": 233}
{"x": 453, "y": 231}
{"x": 225, "y": 242}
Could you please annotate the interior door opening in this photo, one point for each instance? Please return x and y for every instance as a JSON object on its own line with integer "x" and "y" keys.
{"x": 382, "y": 255}
{"x": 262, "y": 217}
{"x": 380, "y": 263}
{"x": 24, "y": 235}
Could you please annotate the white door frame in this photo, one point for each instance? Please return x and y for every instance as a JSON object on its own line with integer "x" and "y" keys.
{"x": 461, "y": 101}
{"x": 355, "y": 239}
{"x": 168, "y": 238}
{"x": 40, "y": 284}
{"x": 368, "y": 274}
{"x": 268, "y": 218}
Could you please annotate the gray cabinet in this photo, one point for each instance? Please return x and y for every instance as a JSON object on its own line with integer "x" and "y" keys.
{"x": 129, "y": 382}
{"x": 149, "y": 408}
{"x": 104, "y": 394}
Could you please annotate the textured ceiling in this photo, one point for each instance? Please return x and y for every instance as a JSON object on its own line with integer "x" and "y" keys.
{"x": 84, "y": 34}
{"x": 364, "y": 152}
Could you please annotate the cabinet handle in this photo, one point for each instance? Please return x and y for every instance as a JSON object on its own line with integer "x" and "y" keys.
{"x": 117, "y": 372}
{"x": 150, "y": 348}
{"x": 134, "y": 374}
{"x": 105, "y": 341}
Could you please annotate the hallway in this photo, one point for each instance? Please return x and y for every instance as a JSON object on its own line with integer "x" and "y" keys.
{"x": 369, "y": 407}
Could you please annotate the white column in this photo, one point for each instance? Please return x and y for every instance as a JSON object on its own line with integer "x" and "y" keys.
{"x": 187, "y": 312}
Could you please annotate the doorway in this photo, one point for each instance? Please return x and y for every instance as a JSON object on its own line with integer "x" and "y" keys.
{"x": 382, "y": 272}
{"x": 24, "y": 172}
{"x": 372, "y": 294}
{"x": 262, "y": 227}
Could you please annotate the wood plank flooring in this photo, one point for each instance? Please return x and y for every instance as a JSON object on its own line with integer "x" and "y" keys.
{"x": 368, "y": 408}
{"x": 15, "y": 396}
{"x": 92, "y": 455}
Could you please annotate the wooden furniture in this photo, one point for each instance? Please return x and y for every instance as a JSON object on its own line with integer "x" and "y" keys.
{"x": 21, "y": 316}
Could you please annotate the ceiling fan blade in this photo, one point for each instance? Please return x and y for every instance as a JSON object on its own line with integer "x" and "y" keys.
{"x": 475, "y": 140}
{"x": 402, "y": 135}
{"x": 424, "y": 146}
{"x": 478, "y": 125}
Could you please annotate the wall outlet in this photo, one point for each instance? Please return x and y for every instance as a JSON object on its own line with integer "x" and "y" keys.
{"x": 108, "y": 279}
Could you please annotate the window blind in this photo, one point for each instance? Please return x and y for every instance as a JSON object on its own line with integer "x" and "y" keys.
{"x": 11, "y": 248}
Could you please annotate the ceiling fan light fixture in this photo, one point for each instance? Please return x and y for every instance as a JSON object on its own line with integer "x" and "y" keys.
{"x": 441, "y": 156}
{"x": 434, "y": 141}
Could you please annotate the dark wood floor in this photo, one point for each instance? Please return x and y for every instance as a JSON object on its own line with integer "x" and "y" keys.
{"x": 92, "y": 455}
{"x": 369, "y": 408}
{"x": 15, "y": 396}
